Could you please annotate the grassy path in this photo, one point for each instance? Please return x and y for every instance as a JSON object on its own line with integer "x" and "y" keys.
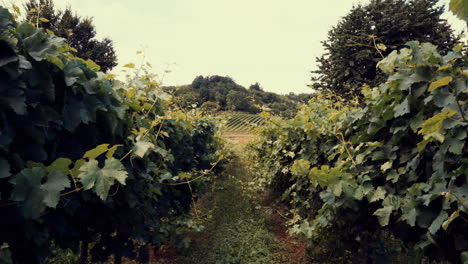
{"x": 243, "y": 229}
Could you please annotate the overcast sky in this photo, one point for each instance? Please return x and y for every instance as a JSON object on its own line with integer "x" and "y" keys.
{"x": 273, "y": 42}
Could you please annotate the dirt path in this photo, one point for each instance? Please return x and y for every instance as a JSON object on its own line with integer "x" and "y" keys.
{"x": 239, "y": 138}
{"x": 245, "y": 227}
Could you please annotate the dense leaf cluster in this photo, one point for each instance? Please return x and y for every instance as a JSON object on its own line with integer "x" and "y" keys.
{"x": 79, "y": 32}
{"x": 86, "y": 159}
{"x": 397, "y": 167}
{"x": 354, "y": 46}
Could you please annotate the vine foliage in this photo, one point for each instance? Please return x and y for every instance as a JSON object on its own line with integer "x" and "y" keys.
{"x": 89, "y": 160}
{"x": 396, "y": 167}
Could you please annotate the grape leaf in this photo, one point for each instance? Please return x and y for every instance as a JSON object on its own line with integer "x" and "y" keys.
{"x": 96, "y": 152}
{"x": 402, "y": 109}
{"x": 300, "y": 168}
{"x": 100, "y": 180}
{"x": 438, "y": 222}
{"x": 76, "y": 168}
{"x": 141, "y": 147}
{"x": 434, "y": 124}
{"x": 376, "y": 195}
{"x": 460, "y": 9}
{"x": 452, "y": 217}
{"x": 387, "y": 165}
{"x": 60, "y": 164}
{"x": 440, "y": 83}
{"x": 410, "y": 216}
{"x": 56, "y": 182}
{"x": 27, "y": 190}
{"x": 383, "y": 215}
{"x": 4, "y": 169}
{"x": 110, "y": 153}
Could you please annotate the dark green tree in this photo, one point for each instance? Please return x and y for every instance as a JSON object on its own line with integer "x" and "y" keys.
{"x": 353, "y": 47}
{"x": 79, "y": 32}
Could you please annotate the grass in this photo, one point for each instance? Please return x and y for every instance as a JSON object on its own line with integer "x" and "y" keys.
{"x": 239, "y": 230}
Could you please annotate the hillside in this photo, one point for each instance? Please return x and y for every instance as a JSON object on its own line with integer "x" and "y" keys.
{"x": 218, "y": 93}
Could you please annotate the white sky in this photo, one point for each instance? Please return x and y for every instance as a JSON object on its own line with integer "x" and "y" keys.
{"x": 273, "y": 42}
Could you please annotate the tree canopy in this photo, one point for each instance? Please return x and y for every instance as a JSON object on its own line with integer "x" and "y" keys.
{"x": 79, "y": 32}
{"x": 222, "y": 93}
{"x": 368, "y": 33}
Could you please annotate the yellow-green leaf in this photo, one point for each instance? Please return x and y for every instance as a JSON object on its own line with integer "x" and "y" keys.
{"x": 387, "y": 165}
{"x": 441, "y": 68}
{"x": 110, "y": 153}
{"x": 460, "y": 9}
{"x": 17, "y": 10}
{"x": 459, "y": 47}
{"x": 129, "y": 65}
{"x": 452, "y": 217}
{"x": 76, "y": 169}
{"x": 43, "y": 19}
{"x": 440, "y": 83}
{"x": 381, "y": 47}
{"x": 92, "y": 65}
{"x": 300, "y": 168}
{"x": 96, "y": 152}
{"x": 57, "y": 61}
{"x": 434, "y": 124}
{"x": 110, "y": 76}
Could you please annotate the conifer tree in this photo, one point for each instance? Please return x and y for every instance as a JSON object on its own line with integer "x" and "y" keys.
{"x": 354, "y": 46}
{"x": 79, "y": 32}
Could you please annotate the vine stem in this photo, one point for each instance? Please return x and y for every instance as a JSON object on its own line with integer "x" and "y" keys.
{"x": 193, "y": 201}
{"x": 194, "y": 179}
{"x": 346, "y": 148}
{"x": 458, "y": 104}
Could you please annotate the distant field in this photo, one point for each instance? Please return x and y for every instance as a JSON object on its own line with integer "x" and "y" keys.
{"x": 243, "y": 123}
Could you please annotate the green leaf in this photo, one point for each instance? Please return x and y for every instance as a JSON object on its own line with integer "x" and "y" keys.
{"x": 56, "y": 182}
{"x": 452, "y": 217}
{"x": 387, "y": 165}
{"x": 464, "y": 257}
{"x": 337, "y": 188}
{"x": 110, "y": 153}
{"x": 410, "y": 216}
{"x": 438, "y": 222}
{"x": 434, "y": 124}
{"x": 4, "y": 169}
{"x": 60, "y": 164}
{"x": 376, "y": 195}
{"x": 381, "y": 47}
{"x": 56, "y": 61}
{"x": 92, "y": 65}
{"x": 100, "y": 180}
{"x": 300, "y": 168}
{"x": 392, "y": 176}
{"x": 39, "y": 44}
{"x": 27, "y": 190}
{"x": 387, "y": 65}
{"x": 141, "y": 147}
{"x": 129, "y": 65}
{"x": 76, "y": 169}
{"x": 402, "y": 109}
{"x": 96, "y": 152}
{"x": 460, "y": 9}
{"x": 440, "y": 83}
{"x": 383, "y": 215}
